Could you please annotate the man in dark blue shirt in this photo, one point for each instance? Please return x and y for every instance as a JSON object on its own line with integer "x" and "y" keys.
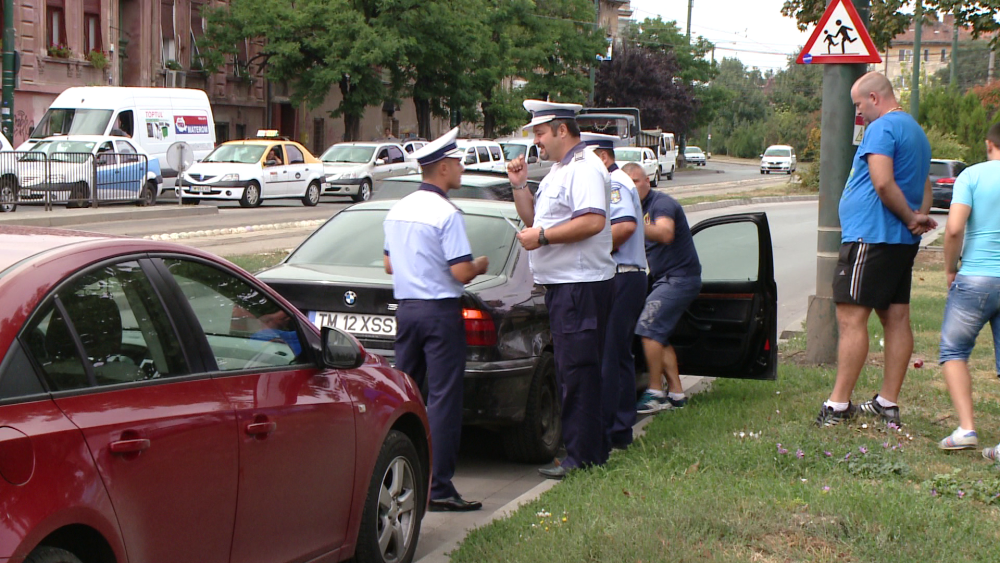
{"x": 675, "y": 278}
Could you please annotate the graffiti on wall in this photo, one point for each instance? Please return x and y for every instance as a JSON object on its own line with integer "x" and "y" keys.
{"x": 22, "y": 127}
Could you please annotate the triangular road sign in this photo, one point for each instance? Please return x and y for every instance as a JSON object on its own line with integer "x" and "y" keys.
{"x": 840, "y": 37}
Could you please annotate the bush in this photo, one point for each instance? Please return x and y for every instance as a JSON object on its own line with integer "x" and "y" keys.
{"x": 98, "y": 59}
{"x": 946, "y": 145}
{"x": 808, "y": 175}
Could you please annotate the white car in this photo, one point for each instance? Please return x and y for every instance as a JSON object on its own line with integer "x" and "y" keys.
{"x": 410, "y": 146}
{"x": 514, "y": 147}
{"x": 76, "y": 169}
{"x": 778, "y": 158}
{"x": 253, "y": 170}
{"x": 644, "y": 157}
{"x": 352, "y": 168}
{"x": 482, "y": 155}
{"x": 694, "y": 155}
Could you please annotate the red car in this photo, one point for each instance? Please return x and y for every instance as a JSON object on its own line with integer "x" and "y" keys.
{"x": 158, "y": 404}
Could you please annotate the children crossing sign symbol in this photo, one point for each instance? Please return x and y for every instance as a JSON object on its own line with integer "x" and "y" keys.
{"x": 840, "y": 37}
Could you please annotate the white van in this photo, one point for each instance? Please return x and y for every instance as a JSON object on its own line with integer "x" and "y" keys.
{"x": 154, "y": 118}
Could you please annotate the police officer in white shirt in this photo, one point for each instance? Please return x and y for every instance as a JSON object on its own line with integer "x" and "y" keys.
{"x": 568, "y": 237}
{"x": 618, "y": 390}
{"x": 430, "y": 259}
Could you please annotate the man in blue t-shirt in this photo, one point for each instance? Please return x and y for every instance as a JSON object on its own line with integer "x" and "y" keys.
{"x": 973, "y": 290}
{"x": 675, "y": 277}
{"x": 883, "y": 211}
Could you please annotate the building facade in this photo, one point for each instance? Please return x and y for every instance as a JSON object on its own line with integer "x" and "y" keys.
{"x": 935, "y": 49}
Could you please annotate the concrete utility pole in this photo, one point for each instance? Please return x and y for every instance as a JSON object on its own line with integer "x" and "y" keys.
{"x": 593, "y": 66}
{"x": 7, "y": 105}
{"x": 953, "y": 81}
{"x": 836, "y": 156}
{"x": 690, "y": 7}
{"x": 918, "y": 25}
{"x": 992, "y": 63}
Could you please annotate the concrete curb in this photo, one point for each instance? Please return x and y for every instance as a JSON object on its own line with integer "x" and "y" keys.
{"x": 72, "y": 217}
{"x": 747, "y": 201}
{"x": 309, "y": 224}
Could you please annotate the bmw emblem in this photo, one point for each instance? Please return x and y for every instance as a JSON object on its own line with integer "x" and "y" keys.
{"x": 350, "y": 298}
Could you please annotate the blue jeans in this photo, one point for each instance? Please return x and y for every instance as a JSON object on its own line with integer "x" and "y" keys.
{"x": 972, "y": 301}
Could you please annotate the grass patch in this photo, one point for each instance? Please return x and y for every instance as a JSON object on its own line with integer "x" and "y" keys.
{"x": 743, "y": 474}
{"x": 254, "y": 263}
{"x": 788, "y": 188}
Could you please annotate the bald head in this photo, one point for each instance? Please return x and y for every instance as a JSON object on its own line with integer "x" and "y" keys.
{"x": 873, "y": 96}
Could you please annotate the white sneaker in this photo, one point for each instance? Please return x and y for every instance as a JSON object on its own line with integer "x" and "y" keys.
{"x": 955, "y": 441}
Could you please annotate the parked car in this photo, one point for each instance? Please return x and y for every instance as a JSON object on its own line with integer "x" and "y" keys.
{"x": 353, "y": 168}
{"x": 252, "y": 170}
{"x": 336, "y": 278}
{"x": 412, "y": 145}
{"x": 514, "y": 147}
{"x": 644, "y": 157}
{"x": 942, "y": 176}
{"x": 694, "y": 155}
{"x": 70, "y": 168}
{"x": 778, "y": 158}
{"x": 482, "y": 155}
{"x": 160, "y": 404}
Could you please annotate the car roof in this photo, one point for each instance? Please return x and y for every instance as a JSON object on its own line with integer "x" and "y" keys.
{"x": 88, "y": 138}
{"x": 20, "y": 242}
{"x": 517, "y": 140}
{"x": 946, "y": 160}
{"x": 363, "y": 144}
{"x": 474, "y": 206}
{"x": 780, "y": 147}
{"x": 480, "y": 179}
{"x": 471, "y": 142}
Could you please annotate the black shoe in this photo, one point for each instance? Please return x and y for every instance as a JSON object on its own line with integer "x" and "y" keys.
{"x": 888, "y": 414}
{"x": 829, "y": 417}
{"x": 557, "y": 472}
{"x": 454, "y": 504}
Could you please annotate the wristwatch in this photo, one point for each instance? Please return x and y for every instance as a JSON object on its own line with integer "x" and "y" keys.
{"x": 541, "y": 236}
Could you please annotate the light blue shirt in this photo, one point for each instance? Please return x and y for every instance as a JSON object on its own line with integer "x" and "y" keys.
{"x": 425, "y": 237}
{"x": 978, "y": 186}
{"x": 625, "y": 206}
{"x": 863, "y": 216}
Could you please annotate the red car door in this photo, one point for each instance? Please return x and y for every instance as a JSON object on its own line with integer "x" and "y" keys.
{"x": 161, "y": 434}
{"x": 295, "y": 421}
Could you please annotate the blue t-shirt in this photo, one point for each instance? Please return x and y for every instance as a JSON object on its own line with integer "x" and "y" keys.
{"x": 863, "y": 217}
{"x": 679, "y": 258}
{"x": 978, "y": 187}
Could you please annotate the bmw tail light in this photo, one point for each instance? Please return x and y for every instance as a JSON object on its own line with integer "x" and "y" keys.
{"x": 479, "y": 328}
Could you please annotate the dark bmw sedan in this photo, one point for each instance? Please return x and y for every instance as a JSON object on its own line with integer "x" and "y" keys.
{"x": 336, "y": 277}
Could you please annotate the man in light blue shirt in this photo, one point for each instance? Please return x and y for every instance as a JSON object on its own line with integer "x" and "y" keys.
{"x": 973, "y": 289}
{"x": 618, "y": 369}
{"x": 430, "y": 259}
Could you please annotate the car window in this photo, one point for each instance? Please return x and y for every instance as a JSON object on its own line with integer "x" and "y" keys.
{"x": 484, "y": 155}
{"x": 106, "y": 154}
{"x": 126, "y": 152}
{"x": 513, "y": 150}
{"x": 495, "y": 153}
{"x": 274, "y": 156}
{"x": 295, "y": 156}
{"x": 939, "y": 170}
{"x": 773, "y": 151}
{"x": 396, "y": 155}
{"x": 532, "y": 151}
{"x": 336, "y": 243}
{"x": 728, "y": 252}
{"x": 115, "y": 315}
{"x": 245, "y": 328}
{"x": 959, "y": 166}
{"x": 470, "y": 156}
{"x": 383, "y": 154}
{"x": 408, "y": 147}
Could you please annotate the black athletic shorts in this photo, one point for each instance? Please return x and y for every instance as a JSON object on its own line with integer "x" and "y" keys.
{"x": 874, "y": 275}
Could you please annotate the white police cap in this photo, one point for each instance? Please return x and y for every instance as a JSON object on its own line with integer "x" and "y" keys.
{"x": 544, "y": 112}
{"x": 440, "y": 148}
{"x": 599, "y": 141}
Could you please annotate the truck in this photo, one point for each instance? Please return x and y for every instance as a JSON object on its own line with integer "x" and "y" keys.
{"x": 626, "y": 124}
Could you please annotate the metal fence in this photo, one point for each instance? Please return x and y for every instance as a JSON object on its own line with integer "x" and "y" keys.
{"x": 73, "y": 179}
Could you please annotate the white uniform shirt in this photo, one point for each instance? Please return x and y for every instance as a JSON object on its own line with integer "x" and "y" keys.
{"x": 424, "y": 237}
{"x": 576, "y": 185}
{"x": 625, "y": 206}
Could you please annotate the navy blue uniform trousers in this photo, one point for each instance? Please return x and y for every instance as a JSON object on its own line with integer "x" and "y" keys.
{"x": 430, "y": 344}
{"x": 578, "y": 316}
{"x": 618, "y": 387}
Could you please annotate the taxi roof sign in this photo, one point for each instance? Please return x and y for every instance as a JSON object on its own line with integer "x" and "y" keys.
{"x": 840, "y": 37}
{"x": 267, "y": 133}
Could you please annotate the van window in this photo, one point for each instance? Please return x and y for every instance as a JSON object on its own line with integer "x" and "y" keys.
{"x": 484, "y": 155}
{"x": 72, "y": 122}
{"x": 495, "y": 153}
{"x": 294, "y": 155}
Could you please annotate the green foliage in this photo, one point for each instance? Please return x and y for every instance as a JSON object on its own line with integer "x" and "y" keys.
{"x": 98, "y": 60}
{"x": 171, "y": 64}
{"x": 946, "y": 145}
{"x": 808, "y": 174}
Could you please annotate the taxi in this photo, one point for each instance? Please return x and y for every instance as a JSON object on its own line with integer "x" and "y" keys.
{"x": 252, "y": 170}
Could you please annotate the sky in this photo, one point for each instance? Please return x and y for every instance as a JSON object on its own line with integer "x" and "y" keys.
{"x": 753, "y": 31}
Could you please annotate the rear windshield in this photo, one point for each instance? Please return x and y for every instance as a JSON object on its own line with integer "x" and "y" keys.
{"x": 72, "y": 122}
{"x": 337, "y": 243}
{"x": 940, "y": 170}
{"x": 777, "y": 152}
{"x": 628, "y": 155}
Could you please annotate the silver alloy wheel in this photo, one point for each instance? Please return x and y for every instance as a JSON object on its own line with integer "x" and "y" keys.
{"x": 312, "y": 192}
{"x": 7, "y": 197}
{"x": 253, "y": 194}
{"x": 365, "y": 191}
{"x": 397, "y": 510}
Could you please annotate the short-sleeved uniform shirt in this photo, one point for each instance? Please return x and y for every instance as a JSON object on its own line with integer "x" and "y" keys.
{"x": 577, "y": 185}
{"x": 978, "y": 186}
{"x": 424, "y": 237}
{"x": 625, "y": 206}
{"x": 679, "y": 258}
{"x": 863, "y": 216}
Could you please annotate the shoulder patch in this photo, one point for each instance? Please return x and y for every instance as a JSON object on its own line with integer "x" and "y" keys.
{"x": 616, "y": 195}
{"x": 580, "y": 156}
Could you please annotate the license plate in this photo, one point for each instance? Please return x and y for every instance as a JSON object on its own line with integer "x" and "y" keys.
{"x": 369, "y": 325}
{"x": 201, "y": 189}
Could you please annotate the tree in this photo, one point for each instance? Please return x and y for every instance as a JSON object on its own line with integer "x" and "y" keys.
{"x": 313, "y": 45}
{"x": 644, "y": 78}
{"x": 973, "y": 66}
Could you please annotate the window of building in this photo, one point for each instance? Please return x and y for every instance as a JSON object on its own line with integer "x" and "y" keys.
{"x": 927, "y": 55}
{"x": 319, "y": 135}
{"x": 197, "y": 30}
{"x": 221, "y": 131}
{"x": 169, "y": 45}
{"x": 92, "y": 26}
{"x": 902, "y": 55}
{"x": 55, "y": 22}
{"x": 241, "y": 131}
{"x": 944, "y": 55}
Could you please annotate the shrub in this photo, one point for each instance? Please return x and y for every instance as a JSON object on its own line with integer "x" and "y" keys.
{"x": 98, "y": 59}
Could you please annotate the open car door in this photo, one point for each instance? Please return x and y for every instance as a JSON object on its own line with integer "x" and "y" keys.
{"x": 731, "y": 329}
